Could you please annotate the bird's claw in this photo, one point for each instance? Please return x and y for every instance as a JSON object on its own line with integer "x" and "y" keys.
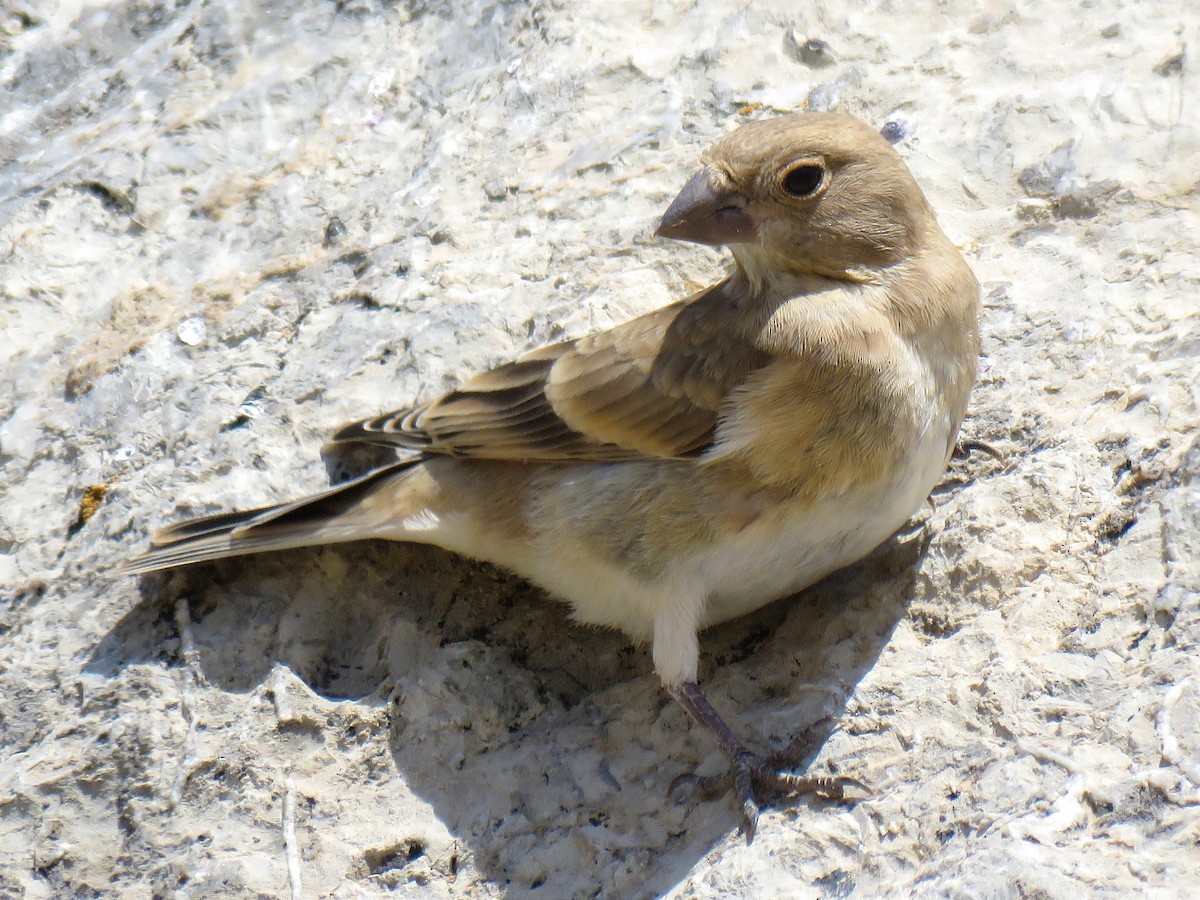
{"x": 757, "y": 779}
{"x": 963, "y": 449}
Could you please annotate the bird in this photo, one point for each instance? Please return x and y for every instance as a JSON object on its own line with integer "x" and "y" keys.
{"x": 706, "y": 458}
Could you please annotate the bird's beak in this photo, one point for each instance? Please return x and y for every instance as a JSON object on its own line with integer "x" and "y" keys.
{"x": 707, "y": 213}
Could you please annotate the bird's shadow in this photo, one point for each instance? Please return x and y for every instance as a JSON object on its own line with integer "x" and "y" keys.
{"x": 508, "y": 719}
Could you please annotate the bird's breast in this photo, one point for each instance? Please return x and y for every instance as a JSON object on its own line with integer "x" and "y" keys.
{"x": 798, "y": 542}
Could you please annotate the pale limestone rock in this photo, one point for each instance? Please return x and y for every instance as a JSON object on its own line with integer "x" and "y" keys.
{"x": 227, "y": 228}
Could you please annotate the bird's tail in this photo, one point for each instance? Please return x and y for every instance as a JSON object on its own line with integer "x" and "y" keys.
{"x": 342, "y": 513}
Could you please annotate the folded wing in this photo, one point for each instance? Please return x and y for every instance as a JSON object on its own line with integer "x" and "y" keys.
{"x": 652, "y": 388}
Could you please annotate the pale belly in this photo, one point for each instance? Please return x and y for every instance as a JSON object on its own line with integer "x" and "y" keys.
{"x": 789, "y": 547}
{"x": 775, "y": 559}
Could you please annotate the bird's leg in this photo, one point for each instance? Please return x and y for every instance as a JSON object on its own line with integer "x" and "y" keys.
{"x": 752, "y": 774}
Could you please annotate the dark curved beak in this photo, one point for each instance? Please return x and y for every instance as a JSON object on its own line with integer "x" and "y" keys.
{"x": 705, "y": 213}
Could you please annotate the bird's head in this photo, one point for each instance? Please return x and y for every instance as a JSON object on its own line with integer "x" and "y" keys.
{"x": 805, "y": 194}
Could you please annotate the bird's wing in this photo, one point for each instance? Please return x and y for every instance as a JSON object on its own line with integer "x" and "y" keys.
{"x": 652, "y": 388}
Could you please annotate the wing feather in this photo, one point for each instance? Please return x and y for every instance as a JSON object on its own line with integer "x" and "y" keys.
{"x": 652, "y": 388}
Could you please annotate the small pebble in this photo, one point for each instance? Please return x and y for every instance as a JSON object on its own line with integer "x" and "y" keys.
{"x": 335, "y": 230}
{"x": 816, "y": 53}
{"x": 192, "y": 331}
{"x": 813, "y": 52}
{"x": 1172, "y": 65}
{"x": 896, "y": 129}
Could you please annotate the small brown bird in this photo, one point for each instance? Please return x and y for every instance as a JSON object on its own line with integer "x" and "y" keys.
{"x": 697, "y": 462}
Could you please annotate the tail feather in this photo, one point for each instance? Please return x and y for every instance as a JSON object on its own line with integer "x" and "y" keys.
{"x": 298, "y": 523}
{"x": 218, "y": 523}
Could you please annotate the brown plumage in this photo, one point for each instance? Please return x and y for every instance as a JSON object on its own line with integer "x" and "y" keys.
{"x": 699, "y": 461}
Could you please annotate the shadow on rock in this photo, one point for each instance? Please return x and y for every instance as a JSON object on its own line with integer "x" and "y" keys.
{"x": 534, "y": 740}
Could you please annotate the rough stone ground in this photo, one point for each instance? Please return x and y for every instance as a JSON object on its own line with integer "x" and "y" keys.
{"x": 227, "y": 228}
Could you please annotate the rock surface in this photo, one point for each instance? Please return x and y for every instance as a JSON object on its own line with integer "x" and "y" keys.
{"x": 227, "y": 228}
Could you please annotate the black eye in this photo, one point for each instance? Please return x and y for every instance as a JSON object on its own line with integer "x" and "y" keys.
{"x": 803, "y": 180}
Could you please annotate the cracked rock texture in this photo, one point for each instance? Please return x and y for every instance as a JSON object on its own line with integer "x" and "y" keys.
{"x": 227, "y": 228}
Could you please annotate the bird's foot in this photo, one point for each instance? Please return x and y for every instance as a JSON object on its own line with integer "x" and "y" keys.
{"x": 754, "y": 779}
{"x": 757, "y": 780}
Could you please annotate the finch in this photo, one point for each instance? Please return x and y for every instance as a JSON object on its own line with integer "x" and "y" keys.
{"x": 702, "y": 460}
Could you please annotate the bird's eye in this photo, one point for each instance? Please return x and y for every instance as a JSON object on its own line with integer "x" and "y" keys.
{"x": 803, "y": 180}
